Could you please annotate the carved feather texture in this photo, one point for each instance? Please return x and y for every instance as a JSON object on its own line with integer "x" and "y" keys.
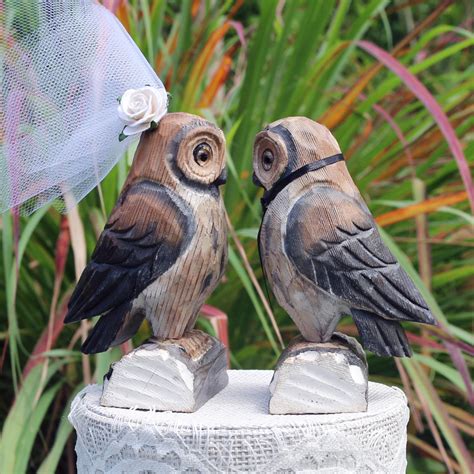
{"x": 334, "y": 242}
{"x": 320, "y": 247}
{"x": 163, "y": 249}
{"x": 131, "y": 254}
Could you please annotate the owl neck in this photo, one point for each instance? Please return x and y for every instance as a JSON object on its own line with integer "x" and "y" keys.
{"x": 283, "y": 182}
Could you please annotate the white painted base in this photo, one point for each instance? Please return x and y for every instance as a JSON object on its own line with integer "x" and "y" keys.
{"x": 171, "y": 375}
{"x": 320, "y": 378}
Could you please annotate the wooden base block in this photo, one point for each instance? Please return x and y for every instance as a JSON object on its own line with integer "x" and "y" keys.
{"x": 329, "y": 377}
{"x": 169, "y": 375}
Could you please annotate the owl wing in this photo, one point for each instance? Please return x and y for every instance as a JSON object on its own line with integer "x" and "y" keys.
{"x": 333, "y": 241}
{"x": 148, "y": 230}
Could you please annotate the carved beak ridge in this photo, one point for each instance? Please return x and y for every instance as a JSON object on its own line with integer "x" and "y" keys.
{"x": 256, "y": 181}
{"x": 222, "y": 179}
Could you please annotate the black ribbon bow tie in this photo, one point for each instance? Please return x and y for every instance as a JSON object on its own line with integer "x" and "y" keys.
{"x": 282, "y": 183}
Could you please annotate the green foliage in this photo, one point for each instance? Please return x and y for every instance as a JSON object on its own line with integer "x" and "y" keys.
{"x": 243, "y": 66}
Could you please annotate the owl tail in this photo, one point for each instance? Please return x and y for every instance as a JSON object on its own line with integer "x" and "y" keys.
{"x": 112, "y": 329}
{"x": 382, "y": 336}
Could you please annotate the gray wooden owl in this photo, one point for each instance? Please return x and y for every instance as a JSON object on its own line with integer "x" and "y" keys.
{"x": 164, "y": 247}
{"x": 320, "y": 248}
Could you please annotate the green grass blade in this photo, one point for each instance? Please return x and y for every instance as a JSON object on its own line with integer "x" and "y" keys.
{"x": 19, "y": 417}
{"x": 239, "y": 269}
{"x": 50, "y": 463}
{"x": 447, "y": 429}
{"x": 445, "y": 370}
{"x": 31, "y": 429}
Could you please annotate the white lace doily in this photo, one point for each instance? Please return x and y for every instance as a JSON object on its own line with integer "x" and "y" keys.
{"x": 233, "y": 432}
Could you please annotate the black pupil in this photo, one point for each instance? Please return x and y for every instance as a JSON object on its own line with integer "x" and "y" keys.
{"x": 201, "y": 153}
{"x": 267, "y": 159}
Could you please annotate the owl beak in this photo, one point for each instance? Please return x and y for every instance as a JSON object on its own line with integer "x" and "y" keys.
{"x": 256, "y": 181}
{"x": 222, "y": 179}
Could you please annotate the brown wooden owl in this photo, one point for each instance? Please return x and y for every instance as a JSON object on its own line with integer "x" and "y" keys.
{"x": 164, "y": 247}
{"x": 320, "y": 247}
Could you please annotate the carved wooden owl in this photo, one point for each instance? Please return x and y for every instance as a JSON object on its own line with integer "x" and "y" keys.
{"x": 164, "y": 247}
{"x": 320, "y": 247}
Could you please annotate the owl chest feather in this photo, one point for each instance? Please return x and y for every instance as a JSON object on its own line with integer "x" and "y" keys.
{"x": 314, "y": 311}
{"x": 171, "y": 303}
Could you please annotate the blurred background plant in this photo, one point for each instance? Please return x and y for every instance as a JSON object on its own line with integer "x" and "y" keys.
{"x": 394, "y": 82}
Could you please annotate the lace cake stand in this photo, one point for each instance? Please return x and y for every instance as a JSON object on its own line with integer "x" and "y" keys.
{"x": 233, "y": 433}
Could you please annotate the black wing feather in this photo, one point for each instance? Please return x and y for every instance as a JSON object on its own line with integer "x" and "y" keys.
{"x": 334, "y": 242}
{"x": 147, "y": 231}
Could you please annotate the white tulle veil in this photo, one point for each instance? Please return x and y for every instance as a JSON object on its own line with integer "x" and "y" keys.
{"x": 64, "y": 64}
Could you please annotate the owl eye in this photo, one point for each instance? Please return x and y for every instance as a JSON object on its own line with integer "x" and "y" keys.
{"x": 202, "y": 154}
{"x": 267, "y": 159}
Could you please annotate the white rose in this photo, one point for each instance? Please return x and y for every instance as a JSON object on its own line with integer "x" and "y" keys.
{"x": 140, "y": 107}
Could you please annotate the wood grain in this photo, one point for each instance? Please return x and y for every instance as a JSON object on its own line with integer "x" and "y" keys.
{"x": 168, "y": 375}
{"x": 317, "y": 378}
{"x": 320, "y": 247}
{"x": 164, "y": 247}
